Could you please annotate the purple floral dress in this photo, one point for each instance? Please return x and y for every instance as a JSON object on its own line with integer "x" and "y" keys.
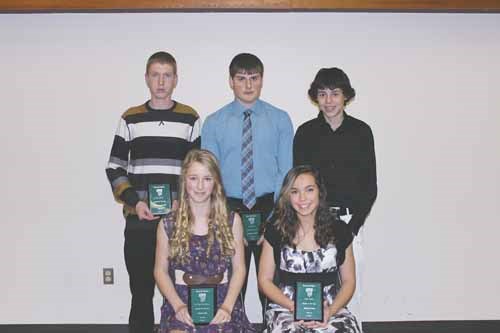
{"x": 199, "y": 263}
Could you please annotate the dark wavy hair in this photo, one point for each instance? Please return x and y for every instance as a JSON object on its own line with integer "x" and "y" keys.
{"x": 331, "y": 78}
{"x": 285, "y": 217}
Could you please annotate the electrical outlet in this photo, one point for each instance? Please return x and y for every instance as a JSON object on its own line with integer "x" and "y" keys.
{"x": 108, "y": 276}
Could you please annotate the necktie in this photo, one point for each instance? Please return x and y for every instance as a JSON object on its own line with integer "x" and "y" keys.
{"x": 247, "y": 173}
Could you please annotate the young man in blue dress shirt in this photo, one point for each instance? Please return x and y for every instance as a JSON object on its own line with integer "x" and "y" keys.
{"x": 270, "y": 148}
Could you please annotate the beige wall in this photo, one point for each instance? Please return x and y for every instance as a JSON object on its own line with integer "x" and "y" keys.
{"x": 426, "y": 83}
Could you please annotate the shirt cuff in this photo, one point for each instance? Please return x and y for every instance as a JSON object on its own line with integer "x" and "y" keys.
{"x": 130, "y": 197}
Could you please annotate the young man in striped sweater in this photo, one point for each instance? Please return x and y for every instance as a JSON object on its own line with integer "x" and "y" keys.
{"x": 150, "y": 143}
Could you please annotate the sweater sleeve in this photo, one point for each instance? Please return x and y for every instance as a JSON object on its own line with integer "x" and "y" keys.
{"x": 195, "y": 138}
{"x": 117, "y": 166}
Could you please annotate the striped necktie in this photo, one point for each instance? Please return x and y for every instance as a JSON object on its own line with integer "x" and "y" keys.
{"x": 247, "y": 172}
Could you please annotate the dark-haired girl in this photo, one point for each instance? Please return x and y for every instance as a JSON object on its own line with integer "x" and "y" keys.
{"x": 306, "y": 239}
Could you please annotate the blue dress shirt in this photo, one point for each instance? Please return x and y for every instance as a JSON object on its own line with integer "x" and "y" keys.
{"x": 272, "y": 133}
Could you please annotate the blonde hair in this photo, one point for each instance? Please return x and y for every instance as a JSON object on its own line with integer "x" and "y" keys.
{"x": 218, "y": 226}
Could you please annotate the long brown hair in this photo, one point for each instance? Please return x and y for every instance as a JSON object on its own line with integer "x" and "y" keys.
{"x": 285, "y": 216}
{"x": 218, "y": 226}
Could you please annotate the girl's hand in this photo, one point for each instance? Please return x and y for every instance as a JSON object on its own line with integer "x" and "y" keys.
{"x": 318, "y": 324}
{"x": 327, "y": 313}
{"x": 182, "y": 314}
{"x": 222, "y": 316}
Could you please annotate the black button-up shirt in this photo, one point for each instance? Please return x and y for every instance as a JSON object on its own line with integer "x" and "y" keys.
{"x": 346, "y": 161}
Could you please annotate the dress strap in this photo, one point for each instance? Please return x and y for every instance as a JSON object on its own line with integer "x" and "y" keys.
{"x": 231, "y": 218}
{"x": 168, "y": 224}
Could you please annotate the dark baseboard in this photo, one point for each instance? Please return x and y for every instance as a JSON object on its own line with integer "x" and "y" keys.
{"x": 445, "y": 326}
{"x": 458, "y": 326}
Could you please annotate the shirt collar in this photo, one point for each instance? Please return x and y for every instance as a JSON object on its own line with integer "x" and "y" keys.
{"x": 240, "y": 108}
{"x": 149, "y": 108}
{"x": 345, "y": 122}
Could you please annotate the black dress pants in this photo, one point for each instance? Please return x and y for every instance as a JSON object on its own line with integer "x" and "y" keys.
{"x": 264, "y": 205}
{"x": 252, "y": 248}
{"x": 139, "y": 250}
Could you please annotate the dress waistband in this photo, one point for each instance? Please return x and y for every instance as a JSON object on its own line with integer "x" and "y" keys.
{"x": 189, "y": 279}
{"x": 292, "y": 278}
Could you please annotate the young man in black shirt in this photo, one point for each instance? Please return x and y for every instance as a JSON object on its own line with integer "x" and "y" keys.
{"x": 342, "y": 148}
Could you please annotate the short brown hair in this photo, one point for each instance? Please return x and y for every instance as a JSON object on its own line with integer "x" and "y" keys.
{"x": 162, "y": 57}
{"x": 246, "y": 63}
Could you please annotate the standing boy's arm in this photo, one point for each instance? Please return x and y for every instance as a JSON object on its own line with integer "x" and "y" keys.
{"x": 368, "y": 179}
{"x": 285, "y": 132}
{"x": 195, "y": 138}
{"x": 117, "y": 166}
{"x": 209, "y": 138}
{"x": 300, "y": 148}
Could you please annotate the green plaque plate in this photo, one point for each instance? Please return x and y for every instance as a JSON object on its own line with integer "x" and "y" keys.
{"x": 251, "y": 225}
{"x": 160, "y": 199}
{"x": 202, "y": 301}
{"x": 308, "y": 300}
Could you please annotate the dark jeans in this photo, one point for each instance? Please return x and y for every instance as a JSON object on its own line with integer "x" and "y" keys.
{"x": 264, "y": 205}
{"x": 139, "y": 250}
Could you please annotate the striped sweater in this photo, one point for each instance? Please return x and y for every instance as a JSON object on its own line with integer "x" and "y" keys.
{"x": 148, "y": 148}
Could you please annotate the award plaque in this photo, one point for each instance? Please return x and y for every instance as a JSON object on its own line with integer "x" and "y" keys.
{"x": 160, "y": 199}
{"x": 251, "y": 225}
{"x": 308, "y": 300}
{"x": 202, "y": 302}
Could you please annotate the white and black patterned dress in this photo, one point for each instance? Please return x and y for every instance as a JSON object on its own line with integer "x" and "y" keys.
{"x": 323, "y": 260}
